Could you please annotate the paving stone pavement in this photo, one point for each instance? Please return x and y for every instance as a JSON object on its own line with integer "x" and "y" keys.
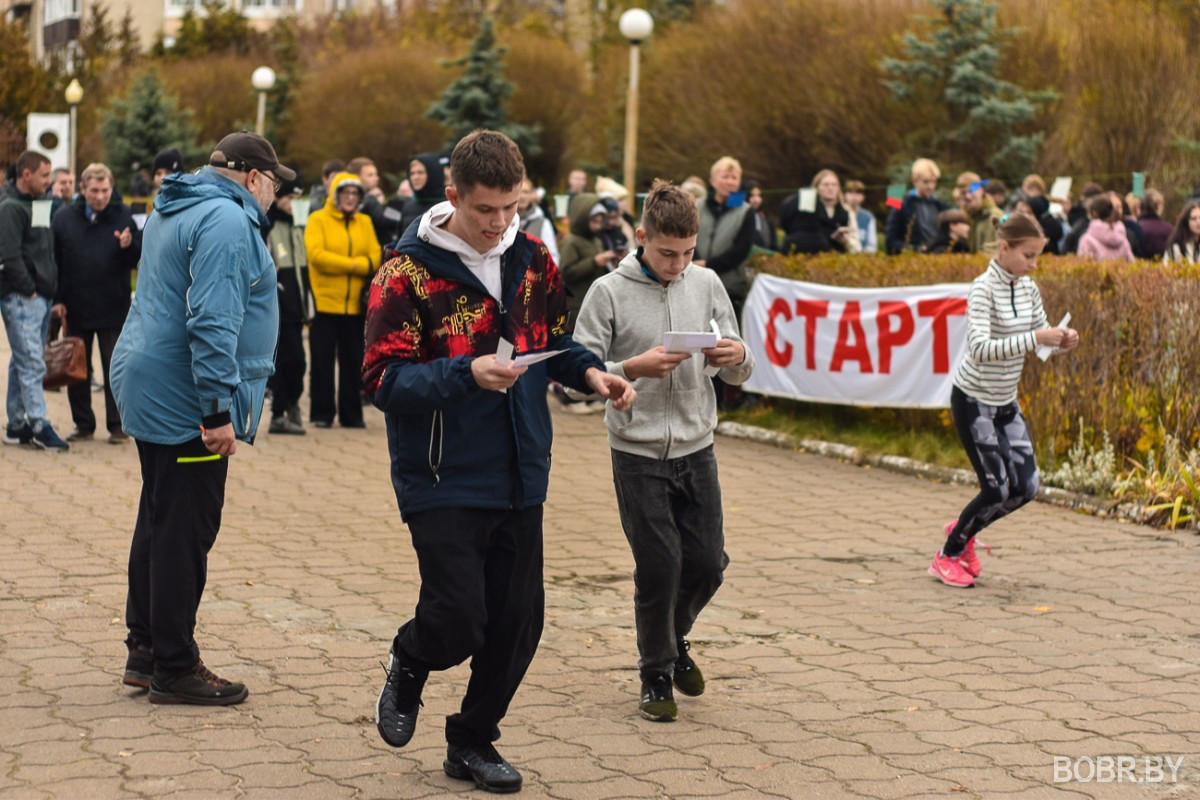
{"x": 836, "y": 667}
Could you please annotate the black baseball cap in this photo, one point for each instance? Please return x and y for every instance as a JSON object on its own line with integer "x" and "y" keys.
{"x": 244, "y": 151}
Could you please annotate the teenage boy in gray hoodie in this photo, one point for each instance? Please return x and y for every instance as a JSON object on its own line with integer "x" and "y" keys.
{"x": 663, "y": 463}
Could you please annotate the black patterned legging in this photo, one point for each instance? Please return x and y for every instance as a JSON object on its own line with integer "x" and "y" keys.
{"x": 998, "y": 443}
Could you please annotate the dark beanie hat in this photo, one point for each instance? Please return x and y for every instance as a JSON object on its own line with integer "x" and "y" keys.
{"x": 169, "y": 159}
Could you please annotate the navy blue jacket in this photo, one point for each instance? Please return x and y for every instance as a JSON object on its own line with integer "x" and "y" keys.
{"x": 453, "y": 444}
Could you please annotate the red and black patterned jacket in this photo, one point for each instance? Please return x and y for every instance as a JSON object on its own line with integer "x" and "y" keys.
{"x": 452, "y": 443}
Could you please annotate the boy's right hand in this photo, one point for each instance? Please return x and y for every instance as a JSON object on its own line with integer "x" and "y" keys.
{"x": 654, "y": 363}
{"x": 494, "y": 376}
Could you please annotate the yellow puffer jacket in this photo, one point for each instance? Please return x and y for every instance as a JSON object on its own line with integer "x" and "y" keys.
{"x": 342, "y": 254}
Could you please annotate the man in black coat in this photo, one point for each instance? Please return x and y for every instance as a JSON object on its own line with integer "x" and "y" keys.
{"x": 97, "y": 245}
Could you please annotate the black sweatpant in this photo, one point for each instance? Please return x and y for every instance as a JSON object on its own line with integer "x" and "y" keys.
{"x": 1000, "y": 447}
{"x": 336, "y": 338}
{"x": 178, "y": 518}
{"x": 80, "y": 394}
{"x": 481, "y": 598}
{"x": 287, "y": 384}
{"x": 672, "y": 516}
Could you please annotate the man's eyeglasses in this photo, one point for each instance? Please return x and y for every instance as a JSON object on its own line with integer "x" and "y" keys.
{"x": 276, "y": 183}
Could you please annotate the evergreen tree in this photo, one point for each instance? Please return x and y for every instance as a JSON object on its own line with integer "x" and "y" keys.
{"x": 479, "y": 97}
{"x": 144, "y": 122}
{"x": 129, "y": 45}
{"x": 955, "y": 70}
{"x": 25, "y": 85}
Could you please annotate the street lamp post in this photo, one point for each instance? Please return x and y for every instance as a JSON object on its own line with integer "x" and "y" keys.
{"x": 74, "y": 95}
{"x": 636, "y": 24}
{"x": 262, "y": 80}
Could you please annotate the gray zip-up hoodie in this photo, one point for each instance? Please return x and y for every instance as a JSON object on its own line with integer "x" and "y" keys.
{"x": 626, "y": 313}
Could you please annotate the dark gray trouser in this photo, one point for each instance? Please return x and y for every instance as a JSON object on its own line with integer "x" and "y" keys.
{"x": 671, "y": 513}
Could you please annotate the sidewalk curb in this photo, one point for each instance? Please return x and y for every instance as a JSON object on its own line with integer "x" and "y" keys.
{"x": 1129, "y": 512}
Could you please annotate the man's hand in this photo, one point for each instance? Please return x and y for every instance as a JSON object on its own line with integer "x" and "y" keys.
{"x": 727, "y": 353}
{"x": 220, "y": 440}
{"x": 493, "y": 376}
{"x": 654, "y": 363}
{"x": 124, "y": 238}
{"x": 611, "y": 387}
{"x": 605, "y": 258}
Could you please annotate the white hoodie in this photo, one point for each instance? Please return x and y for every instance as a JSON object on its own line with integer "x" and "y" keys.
{"x": 485, "y": 266}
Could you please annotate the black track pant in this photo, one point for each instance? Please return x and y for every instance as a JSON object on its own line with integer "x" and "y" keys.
{"x": 183, "y": 492}
{"x": 80, "y": 394}
{"x": 481, "y": 598}
{"x": 336, "y": 339}
{"x": 287, "y": 384}
{"x": 998, "y": 443}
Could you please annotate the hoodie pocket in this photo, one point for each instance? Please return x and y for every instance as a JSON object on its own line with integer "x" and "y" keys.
{"x": 437, "y": 440}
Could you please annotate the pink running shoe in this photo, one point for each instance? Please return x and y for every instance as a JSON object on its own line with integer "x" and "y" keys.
{"x": 970, "y": 561}
{"x": 950, "y": 571}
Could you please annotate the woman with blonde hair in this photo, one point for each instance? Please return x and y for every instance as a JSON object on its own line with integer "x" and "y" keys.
{"x": 829, "y": 226}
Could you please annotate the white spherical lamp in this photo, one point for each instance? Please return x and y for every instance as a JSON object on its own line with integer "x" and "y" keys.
{"x": 263, "y": 79}
{"x": 636, "y": 24}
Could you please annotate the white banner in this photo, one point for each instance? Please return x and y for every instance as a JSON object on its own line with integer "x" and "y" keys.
{"x": 892, "y": 346}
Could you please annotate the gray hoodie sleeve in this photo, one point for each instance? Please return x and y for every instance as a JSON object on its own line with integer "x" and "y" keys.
{"x": 594, "y": 328}
{"x": 727, "y": 322}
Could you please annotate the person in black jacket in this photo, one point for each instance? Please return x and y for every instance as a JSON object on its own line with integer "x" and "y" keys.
{"x": 469, "y": 436}
{"x": 286, "y": 243}
{"x": 827, "y": 227}
{"x": 97, "y": 246}
{"x": 426, "y": 176}
{"x": 914, "y": 226}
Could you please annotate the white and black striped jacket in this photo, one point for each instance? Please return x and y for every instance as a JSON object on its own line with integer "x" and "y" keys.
{"x": 1002, "y": 314}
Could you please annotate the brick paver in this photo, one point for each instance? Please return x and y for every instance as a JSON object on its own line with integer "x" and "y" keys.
{"x": 836, "y": 666}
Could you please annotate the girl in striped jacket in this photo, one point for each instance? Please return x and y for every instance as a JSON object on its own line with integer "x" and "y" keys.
{"x": 1005, "y": 321}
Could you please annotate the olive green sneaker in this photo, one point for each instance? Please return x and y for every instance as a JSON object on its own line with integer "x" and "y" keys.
{"x": 687, "y": 675}
{"x": 658, "y": 703}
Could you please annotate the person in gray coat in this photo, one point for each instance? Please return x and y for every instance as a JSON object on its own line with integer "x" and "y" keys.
{"x": 664, "y": 467}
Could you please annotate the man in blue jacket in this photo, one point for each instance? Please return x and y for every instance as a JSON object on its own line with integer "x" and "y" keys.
{"x": 469, "y": 436}
{"x": 189, "y": 374}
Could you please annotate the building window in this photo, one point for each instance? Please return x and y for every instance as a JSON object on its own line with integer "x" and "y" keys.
{"x": 270, "y": 8}
{"x": 56, "y": 10}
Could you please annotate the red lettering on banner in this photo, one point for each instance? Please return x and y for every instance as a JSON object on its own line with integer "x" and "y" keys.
{"x": 851, "y": 322}
{"x": 780, "y": 358}
{"x": 940, "y": 310}
{"x": 811, "y": 310}
{"x": 890, "y": 339}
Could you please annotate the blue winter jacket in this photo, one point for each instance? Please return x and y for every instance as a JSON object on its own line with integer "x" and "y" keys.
{"x": 199, "y": 342}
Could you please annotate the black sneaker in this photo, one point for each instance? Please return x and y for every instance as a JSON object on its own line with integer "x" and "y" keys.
{"x": 21, "y": 435}
{"x": 687, "y": 675}
{"x": 399, "y": 702}
{"x": 139, "y": 667}
{"x": 481, "y": 764}
{"x": 658, "y": 702}
{"x": 199, "y": 686}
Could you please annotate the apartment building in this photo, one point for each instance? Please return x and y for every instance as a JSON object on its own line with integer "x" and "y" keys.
{"x": 55, "y": 24}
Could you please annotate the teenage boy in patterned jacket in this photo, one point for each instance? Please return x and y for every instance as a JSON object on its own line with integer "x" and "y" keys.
{"x": 470, "y": 443}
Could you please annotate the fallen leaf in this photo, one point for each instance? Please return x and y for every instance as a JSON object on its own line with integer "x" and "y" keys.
{"x": 959, "y": 789}
{"x": 914, "y": 708}
{"x": 867, "y": 581}
{"x": 124, "y": 754}
{"x": 763, "y": 766}
{"x": 1041, "y": 609}
{"x": 249, "y": 583}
